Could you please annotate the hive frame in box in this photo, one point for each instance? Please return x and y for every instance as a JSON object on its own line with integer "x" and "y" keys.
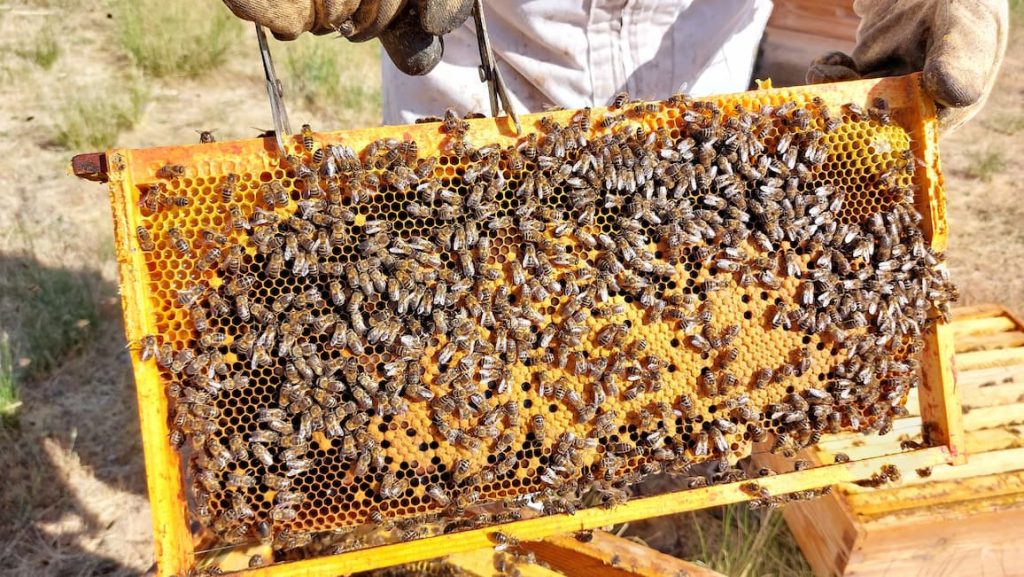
{"x": 175, "y": 549}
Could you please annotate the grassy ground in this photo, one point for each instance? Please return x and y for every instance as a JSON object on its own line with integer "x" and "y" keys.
{"x": 82, "y": 75}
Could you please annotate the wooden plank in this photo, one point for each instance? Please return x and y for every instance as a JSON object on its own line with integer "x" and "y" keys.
{"x": 992, "y": 395}
{"x": 982, "y": 326}
{"x": 938, "y": 513}
{"x": 926, "y": 496}
{"x": 643, "y": 508}
{"x": 910, "y": 426}
{"x": 991, "y": 417}
{"x": 986, "y": 440}
{"x": 983, "y": 544}
{"x": 976, "y": 396}
{"x": 858, "y": 446}
{"x": 977, "y": 441}
{"x": 939, "y": 393}
{"x": 832, "y": 19}
{"x": 973, "y": 312}
{"x": 979, "y": 465}
{"x": 969, "y": 343}
{"x": 609, "y": 556}
{"x": 785, "y": 54}
{"x": 480, "y": 563}
{"x": 984, "y": 378}
{"x": 988, "y": 359}
{"x": 825, "y": 531}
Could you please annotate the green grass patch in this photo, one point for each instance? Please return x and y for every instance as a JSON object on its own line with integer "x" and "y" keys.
{"x": 166, "y": 38}
{"x": 48, "y": 313}
{"x": 336, "y": 80}
{"x": 9, "y": 401}
{"x": 984, "y": 164}
{"x": 749, "y": 544}
{"x": 43, "y": 49}
{"x": 93, "y": 119}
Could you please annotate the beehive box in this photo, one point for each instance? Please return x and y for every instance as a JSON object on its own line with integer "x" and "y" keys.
{"x": 401, "y": 416}
{"x": 971, "y": 516}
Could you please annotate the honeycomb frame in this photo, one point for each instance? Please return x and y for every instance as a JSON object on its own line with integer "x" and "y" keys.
{"x": 911, "y": 109}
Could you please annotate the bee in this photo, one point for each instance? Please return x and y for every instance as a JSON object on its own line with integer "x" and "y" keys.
{"x": 274, "y": 265}
{"x": 239, "y": 286}
{"x": 618, "y": 101}
{"x": 892, "y": 473}
{"x": 780, "y": 317}
{"x": 209, "y": 258}
{"x": 699, "y": 342}
{"x": 148, "y": 348}
{"x": 879, "y": 111}
{"x": 238, "y": 221}
{"x": 308, "y": 143}
{"x": 700, "y": 448}
{"x": 212, "y": 340}
{"x": 261, "y": 453}
{"x": 502, "y": 541}
{"x": 228, "y": 189}
{"x": 391, "y": 487}
{"x": 239, "y": 480}
{"x": 170, "y": 171}
{"x": 198, "y": 315}
{"x": 727, "y": 357}
{"x": 438, "y": 495}
{"x": 537, "y": 426}
{"x": 855, "y": 111}
{"x": 757, "y": 432}
{"x": 146, "y": 243}
{"x": 178, "y": 242}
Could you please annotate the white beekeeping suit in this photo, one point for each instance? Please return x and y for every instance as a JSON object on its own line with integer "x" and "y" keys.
{"x": 575, "y": 54}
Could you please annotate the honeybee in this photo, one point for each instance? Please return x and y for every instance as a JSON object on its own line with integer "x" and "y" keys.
{"x": 146, "y": 243}
{"x": 178, "y": 242}
{"x": 438, "y": 494}
{"x": 537, "y": 426}
{"x": 170, "y": 171}
{"x": 148, "y": 348}
{"x": 209, "y": 258}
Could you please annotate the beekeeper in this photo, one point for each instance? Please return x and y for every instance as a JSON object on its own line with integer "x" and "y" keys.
{"x": 575, "y": 54}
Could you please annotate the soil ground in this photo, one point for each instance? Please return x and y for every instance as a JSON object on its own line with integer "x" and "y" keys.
{"x": 72, "y": 482}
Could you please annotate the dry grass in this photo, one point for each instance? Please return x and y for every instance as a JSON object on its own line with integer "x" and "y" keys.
{"x": 983, "y": 165}
{"x": 746, "y": 543}
{"x": 43, "y": 49}
{"x": 94, "y": 117}
{"x": 337, "y": 81}
{"x": 166, "y": 38}
{"x": 48, "y": 313}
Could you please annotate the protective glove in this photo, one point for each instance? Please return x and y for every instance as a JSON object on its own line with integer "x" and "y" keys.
{"x": 410, "y": 30}
{"x": 958, "y": 44}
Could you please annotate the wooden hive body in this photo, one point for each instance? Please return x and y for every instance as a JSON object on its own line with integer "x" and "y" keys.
{"x": 967, "y": 518}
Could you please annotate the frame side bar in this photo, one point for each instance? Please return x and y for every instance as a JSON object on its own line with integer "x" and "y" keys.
{"x": 172, "y": 539}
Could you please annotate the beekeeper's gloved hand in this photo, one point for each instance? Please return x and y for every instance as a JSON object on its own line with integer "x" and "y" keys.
{"x": 958, "y": 44}
{"x": 410, "y": 30}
